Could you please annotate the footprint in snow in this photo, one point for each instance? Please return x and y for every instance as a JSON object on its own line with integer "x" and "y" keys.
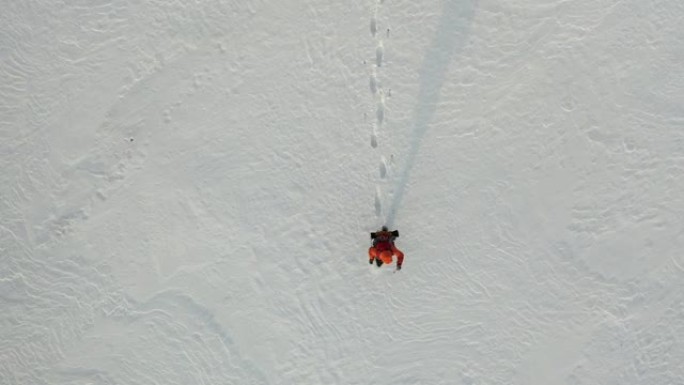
{"x": 373, "y": 83}
{"x": 383, "y": 167}
{"x": 379, "y": 53}
{"x": 378, "y": 203}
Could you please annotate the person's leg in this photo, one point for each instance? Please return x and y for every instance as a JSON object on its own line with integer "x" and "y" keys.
{"x": 386, "y": 256}
{"x": 372, "y": 253}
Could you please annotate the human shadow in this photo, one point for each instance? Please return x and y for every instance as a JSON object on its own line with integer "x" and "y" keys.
{"x": 452, "y": 33}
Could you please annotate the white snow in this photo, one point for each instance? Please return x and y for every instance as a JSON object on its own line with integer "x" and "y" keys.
{"x": 186, "y": 191}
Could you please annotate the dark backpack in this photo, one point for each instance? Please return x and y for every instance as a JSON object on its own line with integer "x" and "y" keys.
{"x": 384, "y": 238}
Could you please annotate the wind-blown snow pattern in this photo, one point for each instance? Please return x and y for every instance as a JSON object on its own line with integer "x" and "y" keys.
{"x": 187, "y": 190}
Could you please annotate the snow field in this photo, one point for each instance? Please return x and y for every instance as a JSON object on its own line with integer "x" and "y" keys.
{"x": 187, "y": 190}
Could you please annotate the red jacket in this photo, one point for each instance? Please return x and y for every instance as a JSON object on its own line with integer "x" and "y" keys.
{"x": 383, "y": 248}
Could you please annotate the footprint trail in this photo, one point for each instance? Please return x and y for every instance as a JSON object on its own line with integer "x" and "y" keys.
{"x": 375, "y": 86}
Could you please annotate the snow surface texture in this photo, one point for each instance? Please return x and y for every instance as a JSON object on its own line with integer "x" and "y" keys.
{"x": 187, "y": 190}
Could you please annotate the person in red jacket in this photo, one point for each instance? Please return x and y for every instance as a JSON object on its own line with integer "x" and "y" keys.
{"x": 383, "y": 248}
